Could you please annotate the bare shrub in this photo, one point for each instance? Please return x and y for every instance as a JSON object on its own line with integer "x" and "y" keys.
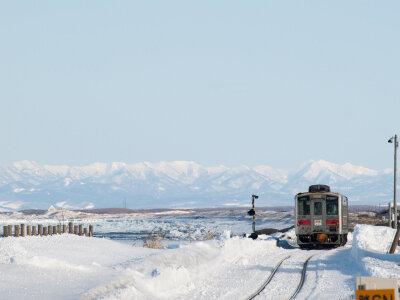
{"x": 209, "y": 236}
{"x": 350, "y": 297}
{"x": 153, "y": 241}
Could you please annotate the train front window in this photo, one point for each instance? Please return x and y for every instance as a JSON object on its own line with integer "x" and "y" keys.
{"x": 332, "y": 205}
{"x": 317, "y": 208}
{"x": 303, "y": 206}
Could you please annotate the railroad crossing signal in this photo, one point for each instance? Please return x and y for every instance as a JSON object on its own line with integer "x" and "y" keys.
{"x": 252, "y": 212}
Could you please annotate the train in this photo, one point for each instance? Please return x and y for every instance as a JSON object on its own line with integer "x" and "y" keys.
{"x": 321, "y": 217}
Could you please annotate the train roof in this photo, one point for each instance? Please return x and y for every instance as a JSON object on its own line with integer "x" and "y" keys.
{"x": 319, "y": 189}
{"x": 314, "y": 193}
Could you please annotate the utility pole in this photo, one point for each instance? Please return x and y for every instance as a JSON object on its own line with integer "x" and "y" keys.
{"x": 396, "y": 145}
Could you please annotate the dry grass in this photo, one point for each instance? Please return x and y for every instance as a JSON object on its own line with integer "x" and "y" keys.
{"x": 347, "y": 297}
{"x": 153, "y": 241}
{"x": 365, "y": 219}
{"x": 209, "y": 236}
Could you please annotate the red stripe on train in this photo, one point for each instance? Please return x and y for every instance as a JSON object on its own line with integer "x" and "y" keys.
{"x": 303, "y": 222}
{"x": 332, "y": 222}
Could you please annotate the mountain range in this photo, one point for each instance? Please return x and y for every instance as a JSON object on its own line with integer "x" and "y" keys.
{"x": 181, "y": 184}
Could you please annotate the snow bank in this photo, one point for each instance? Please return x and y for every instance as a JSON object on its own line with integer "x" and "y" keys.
{"x": 177, "y": 272}
{"x": 73, "y": 267}
{"x": 372, "y": 238}
{"x": 369, "y": 250}
{"x": 63, "y": 266}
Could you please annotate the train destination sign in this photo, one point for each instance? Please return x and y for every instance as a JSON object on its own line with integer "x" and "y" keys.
{"x": 375, "y": 294}
{"x": 317, "y": 222}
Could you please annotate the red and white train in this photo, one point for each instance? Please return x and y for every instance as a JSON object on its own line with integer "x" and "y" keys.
{"x": 321, "y": 217}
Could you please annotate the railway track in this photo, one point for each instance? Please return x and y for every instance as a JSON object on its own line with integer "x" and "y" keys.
{"x": 275, "y": 270}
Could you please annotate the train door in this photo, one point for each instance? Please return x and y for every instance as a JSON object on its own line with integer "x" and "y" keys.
{"x": 345, "y": 214}
{"x": 317, "y": 215}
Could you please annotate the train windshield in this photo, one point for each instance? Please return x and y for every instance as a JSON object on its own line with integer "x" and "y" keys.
{"x": 303, "y": 206}
{"x": 317, "y": 208}
{"x": 331, "y": 205}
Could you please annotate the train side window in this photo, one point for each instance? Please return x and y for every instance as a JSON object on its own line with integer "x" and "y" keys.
{"x": 303, "y": 206}
{"x": 345, "y": 204}
{"x": 317, "y": 208}
{"x": 331, "y": 205}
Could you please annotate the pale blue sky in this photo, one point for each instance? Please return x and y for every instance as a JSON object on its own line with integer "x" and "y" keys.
{"x": 216, "y": 82}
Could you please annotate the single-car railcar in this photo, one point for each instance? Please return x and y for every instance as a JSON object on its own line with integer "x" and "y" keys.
{"x": 321, "y": 217}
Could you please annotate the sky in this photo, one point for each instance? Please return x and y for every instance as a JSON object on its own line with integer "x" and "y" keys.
{"x": 235, "y": 83}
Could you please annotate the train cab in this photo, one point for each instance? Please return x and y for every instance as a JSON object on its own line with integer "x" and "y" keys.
{"x": 321, "y": 217}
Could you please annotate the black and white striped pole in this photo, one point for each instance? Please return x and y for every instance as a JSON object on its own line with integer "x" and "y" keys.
{"x": 252, "y": 212}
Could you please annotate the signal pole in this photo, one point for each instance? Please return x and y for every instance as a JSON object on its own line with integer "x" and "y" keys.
{"x": 252, "y": 212}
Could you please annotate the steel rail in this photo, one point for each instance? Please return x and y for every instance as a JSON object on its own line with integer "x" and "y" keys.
{"x": 302, "y": 279}
{"x": 268, "y": 280}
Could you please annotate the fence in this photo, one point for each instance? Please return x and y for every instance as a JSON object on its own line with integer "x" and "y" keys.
{"x": 40, "y": 230}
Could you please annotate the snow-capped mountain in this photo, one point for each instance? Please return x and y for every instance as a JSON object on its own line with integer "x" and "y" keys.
{"x": 27, "y": 184}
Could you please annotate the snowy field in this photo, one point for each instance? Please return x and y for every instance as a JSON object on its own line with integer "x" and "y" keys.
{"x": 74, "y": 267}
{"x": 177, "y": 225}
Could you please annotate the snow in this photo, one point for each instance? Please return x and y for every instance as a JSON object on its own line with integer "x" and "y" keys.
{"x": 314, "y": 169}
{"x": 377, "y": 239}
{"x": 89, "y": 206}
{"x": 67, "y": 181}
{"x": 11, "y": 204}
{"x": 73, "y": 267}
{"x": 175, "y": 224}
{"x": 144, "y": 184}
{"x": 279, "y": 176}
{"x": 63, "y": 266}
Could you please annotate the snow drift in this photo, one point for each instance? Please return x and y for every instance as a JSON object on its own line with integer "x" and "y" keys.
{"x": 73, "y": 267}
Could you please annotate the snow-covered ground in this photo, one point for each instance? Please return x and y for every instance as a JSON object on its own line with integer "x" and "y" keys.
{"x": 73, "y": 267}
{"x": 176, "y": 225}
